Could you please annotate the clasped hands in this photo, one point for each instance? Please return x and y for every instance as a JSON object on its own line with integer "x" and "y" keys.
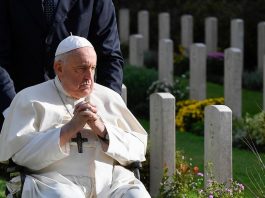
{"x": 84, "y": 113}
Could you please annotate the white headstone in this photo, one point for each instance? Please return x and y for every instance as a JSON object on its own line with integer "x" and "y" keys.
{"x": 162, "y": 138}
{"x": 233, "y": 80}
{"x": 211, "y": 34}
{"x": 143, "y": 28}
{"x": 165, "y": 61}
{"x": 124, "y": 25}
{"x": 261, "y": 45}
{"x": 164, "y": 26}
{"x": 186, "y": 32}
{"x": 136, "y": 53}
{"x": 198, "y": 58}
{"x": 237, "y": 34}
{"x": 218, "y": 142}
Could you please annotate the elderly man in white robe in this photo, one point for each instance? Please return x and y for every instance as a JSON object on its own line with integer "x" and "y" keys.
{"x": 44, "y": 122}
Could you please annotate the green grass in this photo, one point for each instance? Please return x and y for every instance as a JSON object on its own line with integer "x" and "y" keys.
{"x": 2, "y": 189}
{"x": 251, "y": 100}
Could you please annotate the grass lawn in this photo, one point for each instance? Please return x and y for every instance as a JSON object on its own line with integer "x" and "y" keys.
{"x": 251, "y": 100}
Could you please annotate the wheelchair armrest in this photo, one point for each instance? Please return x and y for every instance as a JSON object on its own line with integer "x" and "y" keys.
{"x": 135, "y": 168}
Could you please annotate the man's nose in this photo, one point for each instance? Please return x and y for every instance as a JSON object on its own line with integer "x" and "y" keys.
{"x": 88, "y": 74}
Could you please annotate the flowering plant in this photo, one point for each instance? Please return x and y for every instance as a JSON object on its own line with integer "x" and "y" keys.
{"x": 189, "y": 112}
{"x": 188, "y": 182}
{"x": 185, "y": 181}
{"x": 215, "y": 189}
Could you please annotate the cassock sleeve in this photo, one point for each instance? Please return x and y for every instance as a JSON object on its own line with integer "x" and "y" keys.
{"x": 126, "y": 146}
{"x": 127, "y": 138}
{"x": 21, "y": 140}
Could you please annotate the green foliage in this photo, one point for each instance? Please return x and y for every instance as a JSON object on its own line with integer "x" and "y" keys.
{"x": 189, "y": 112}
{"x": 252, "y": 80}
{"x": 179, "y": 89}
{"x": 183, "y": 182}
{"x": 137, "y": 80}
{"x": 215, "y": 189}
{"x": 250, "y": 127}
{"x": 256, "y": 127}
{"x": 187, "y": 181}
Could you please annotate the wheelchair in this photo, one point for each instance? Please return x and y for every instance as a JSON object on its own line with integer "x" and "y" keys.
{"x": 11, "y": 170}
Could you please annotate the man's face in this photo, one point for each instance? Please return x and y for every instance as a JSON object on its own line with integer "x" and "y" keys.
{"x": 76, "y": 71}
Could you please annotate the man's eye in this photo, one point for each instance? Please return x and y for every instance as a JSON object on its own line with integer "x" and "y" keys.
{"x": 80, "y": 70}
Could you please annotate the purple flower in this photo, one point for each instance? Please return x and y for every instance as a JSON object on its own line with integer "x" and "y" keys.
{"x": 200, "y": 174}
{"x": 210, "y": 196}
{"x": 216, "y": 55}
{"x": 241, "y": 186}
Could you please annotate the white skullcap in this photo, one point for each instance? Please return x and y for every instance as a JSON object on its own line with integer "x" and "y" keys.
{"x": 71, "y": 43}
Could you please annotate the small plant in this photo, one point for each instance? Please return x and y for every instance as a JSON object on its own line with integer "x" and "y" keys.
{"x": 184, "y": 182}
{"x": 189, "y": 112}
{"x": 188, "y": 182}
{"x": 251, "y": 127}
{"x": 179, "y": 89}
{"x": 215, "y": 189}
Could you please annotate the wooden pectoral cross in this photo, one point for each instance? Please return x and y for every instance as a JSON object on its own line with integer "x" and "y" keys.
{"x": 79, "y": 140}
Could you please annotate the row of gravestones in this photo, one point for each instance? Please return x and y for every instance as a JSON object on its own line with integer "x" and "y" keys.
{"x": 211, "y": 33}
{"x": 217, "y": 139}
{"x": 233, "y": 69}
{"x": 233, "y": 63}
{"x": 218, "y": 118}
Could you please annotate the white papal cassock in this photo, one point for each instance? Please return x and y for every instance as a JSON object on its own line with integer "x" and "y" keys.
{"x": 31, "y": 136}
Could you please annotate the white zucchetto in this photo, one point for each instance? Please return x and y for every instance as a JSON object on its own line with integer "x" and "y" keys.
{"x": 70, "y": 43}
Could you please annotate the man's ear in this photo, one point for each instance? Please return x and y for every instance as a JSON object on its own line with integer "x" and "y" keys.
{"x": 57, "y": 66}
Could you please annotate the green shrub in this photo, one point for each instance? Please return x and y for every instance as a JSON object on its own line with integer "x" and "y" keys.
{"x": 188, "y": 112}
{"x": 179, "y": 89}
{"x": 187, "y": 181}
{"x": 137, "y": 80}
{"x": 253, "y": 80}
{"x": 250, "y": 127}
{"x": 184, "y": 182}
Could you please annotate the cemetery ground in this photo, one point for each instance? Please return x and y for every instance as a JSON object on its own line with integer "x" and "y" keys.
{"x": 243, "y": 159}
